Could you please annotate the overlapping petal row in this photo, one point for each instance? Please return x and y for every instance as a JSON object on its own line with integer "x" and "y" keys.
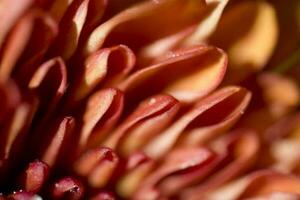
{"x": 114, "y": 99}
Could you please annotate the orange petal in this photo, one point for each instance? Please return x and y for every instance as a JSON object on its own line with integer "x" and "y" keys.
{"x": 251, "y": 45}
{"x": 97, "y": 165}
{"x": 79, "y": 15}
{"x": 160, "y": 145}
{"x": 109, "y": 65}
{"x": 241, "y": 148}
{"x": 266, "y": 182}
{"x": 137, "y": 167}
{"x": 177, "y": 162}
{"x": 128, "y": 27}
{"x": 186, "y": 74}
{"x": 36, "y": 29}
{"x": 280, "y": 92}
{"x": 195, "y": 34}
{"x": 56, "y": 140}
{"x": 102, "y": 112}
{"x": 151, "y": 116}
{"x": 49, "y": 82}
{"x": 217, "y": 120}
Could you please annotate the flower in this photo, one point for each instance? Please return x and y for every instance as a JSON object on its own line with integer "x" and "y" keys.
{"x": 147, "y": 100}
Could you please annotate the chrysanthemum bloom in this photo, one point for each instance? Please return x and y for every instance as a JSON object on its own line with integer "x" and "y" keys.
{"x": 123, "y": 99}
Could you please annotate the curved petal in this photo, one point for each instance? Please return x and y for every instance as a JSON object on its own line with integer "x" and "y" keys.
{"x": 102, "y": 112}
{"x": 43, "y": 31}
{"x": 266, "y": 182}
{"x": 128, "y": 26}
{"x": 187, "y": 75}
{"x": 176, "y": 163}
{"x": 239, "y": 151}
{"x": 49, "y": 83}
{"x": 14, "y": 132}
{"x": 55, "y": 142}
{"x": 97, "y": 166}
{"x": 215, "y": 103}
{"x": 150, "y": 117}
{"x": 78, "y": 15}
{"x": 36, "y": 29}
{"x": 107, "y": 66}
{"x": 251, "y": 45}
{"x": 199, "y": 132}
{"x": 138, "y": 166}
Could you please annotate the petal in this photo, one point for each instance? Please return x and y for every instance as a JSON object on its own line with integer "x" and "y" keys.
{"x": 49, "y": 83}
{"x": 102, "y": 112}
{"x": 264, "y": 182}
{"x": 251, "y": 45}
{"x": 138, "y": 166}
{"x": 217, "y": 120}
{"x": 10, "y": 98}
{"x": 177, "y": 162}
{"x": 190, "y": 36}
{"x": 107, "y": 66}
{"x": 241, "y": 148}
{"x": 160, "y": 145}
{"x": 36, "y": 29}
{"x": 128, "y": 26}
{"x": 78, "y": 15}
{"x": 11, "y": 10}
{"x": 281, "y": 93}
{"x": 55, "y": 142}
{"x": 187, "y": 75}
{"x": 151, "y": 116}
{"x": 97, "y": 165}
{"x": 16, "y": 130}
